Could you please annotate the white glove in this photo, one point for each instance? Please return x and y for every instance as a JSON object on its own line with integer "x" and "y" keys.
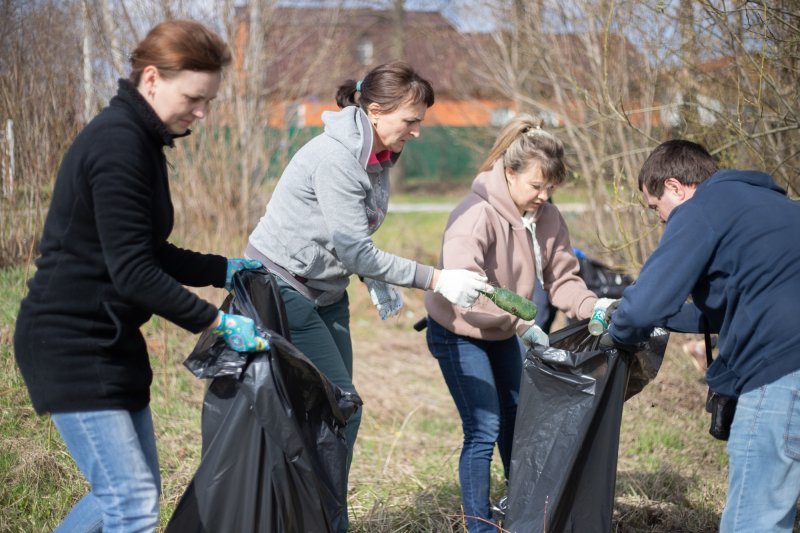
{"x": 385, "y": 297}
{"x": 607, "y": 304}
{"x": 461, "y": 287}
{"x": 530, "y": 334}
{"x": 601, "y": 315}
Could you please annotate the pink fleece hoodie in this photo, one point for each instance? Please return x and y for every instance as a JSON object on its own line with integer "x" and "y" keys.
{"x": 485, "y": 234}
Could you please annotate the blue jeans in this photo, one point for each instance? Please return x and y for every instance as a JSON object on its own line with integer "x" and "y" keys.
{"x": 483, "y": 378}
{"x": 116, "y": 451}
{"x": 764, "y": 459}
{"x": 323, "y": 335}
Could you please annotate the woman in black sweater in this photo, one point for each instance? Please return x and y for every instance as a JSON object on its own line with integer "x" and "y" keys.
{"x": 106, "y": 267}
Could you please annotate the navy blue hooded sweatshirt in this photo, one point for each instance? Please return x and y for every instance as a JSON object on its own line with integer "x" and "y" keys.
{"x": 733, "y": 247}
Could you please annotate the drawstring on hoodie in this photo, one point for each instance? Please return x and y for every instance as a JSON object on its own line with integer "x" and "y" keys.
{"x": 530, "y": 224}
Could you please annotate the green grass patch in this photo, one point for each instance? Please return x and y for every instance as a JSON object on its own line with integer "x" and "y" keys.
{"x": 39, "y": 479}
{"x": 416, "y": 236}
{"x": 13, "y": 285}
{"x": 657, "y": 438}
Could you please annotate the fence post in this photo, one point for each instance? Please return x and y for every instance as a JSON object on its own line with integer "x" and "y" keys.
{"x": 3, "y": 162}
{"x": 8, "y": 159}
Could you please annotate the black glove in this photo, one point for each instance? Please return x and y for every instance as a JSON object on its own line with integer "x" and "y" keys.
{"x": 608, "y": 342}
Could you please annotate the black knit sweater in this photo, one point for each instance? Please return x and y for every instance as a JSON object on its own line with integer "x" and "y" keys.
{"x": 106, "y": 266}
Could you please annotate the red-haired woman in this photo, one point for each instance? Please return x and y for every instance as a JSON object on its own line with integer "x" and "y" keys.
{"x": 106, "y": 266}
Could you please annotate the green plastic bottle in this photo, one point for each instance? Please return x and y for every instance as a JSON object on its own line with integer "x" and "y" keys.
{"x": 510, "y": 301}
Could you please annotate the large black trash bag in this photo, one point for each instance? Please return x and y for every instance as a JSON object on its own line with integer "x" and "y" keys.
{"x": 564, "y": 457}
{"x": 603, "y": 280}
{"x": 274, "y": 454}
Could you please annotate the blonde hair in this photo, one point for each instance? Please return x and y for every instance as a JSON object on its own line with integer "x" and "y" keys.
{"x": 521, "y": 142}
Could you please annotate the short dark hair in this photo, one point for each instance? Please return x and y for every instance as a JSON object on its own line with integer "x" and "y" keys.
{"x": 686, "y": 161}
{"x": 389, "y": 85}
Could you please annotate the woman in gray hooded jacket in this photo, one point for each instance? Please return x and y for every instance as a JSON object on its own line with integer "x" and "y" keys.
{"x": 332, "y": 196}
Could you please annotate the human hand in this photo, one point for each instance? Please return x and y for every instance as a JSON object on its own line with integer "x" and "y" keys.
{"x": 386, "y": 297}
{"x": 530, "y": 334}
{"x": 608, "y": 342}
{"x": 601, "y": 315}
{"x": 462, "y": 287}
{"x": 239, "y": 332}
{"x": 236, "y": 265}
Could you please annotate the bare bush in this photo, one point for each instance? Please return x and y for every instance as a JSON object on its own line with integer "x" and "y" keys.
{"x": 39, "y": 98}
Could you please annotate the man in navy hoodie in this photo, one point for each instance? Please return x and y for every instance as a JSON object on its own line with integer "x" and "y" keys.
{"x": 731, "y": 243}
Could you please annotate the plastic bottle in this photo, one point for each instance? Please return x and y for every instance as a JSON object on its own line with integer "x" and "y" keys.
{"x": 598, "y": 323}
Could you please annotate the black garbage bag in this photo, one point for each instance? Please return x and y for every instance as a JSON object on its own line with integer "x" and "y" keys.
{"x": 274, "y": 455}
{"x": 564, "y": 456}
{"x": 604, "y": 281}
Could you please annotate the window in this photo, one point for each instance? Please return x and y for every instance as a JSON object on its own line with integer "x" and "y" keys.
{"x": 500, "y": 116}
{"x": 364, "y": 50}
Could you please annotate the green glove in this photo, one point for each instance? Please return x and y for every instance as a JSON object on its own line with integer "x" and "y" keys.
{"x": 239, "y": 333}
{"x": 236, "y": 265}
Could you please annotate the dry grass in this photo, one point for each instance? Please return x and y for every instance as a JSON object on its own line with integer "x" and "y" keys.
{"x": 671, "y": 474}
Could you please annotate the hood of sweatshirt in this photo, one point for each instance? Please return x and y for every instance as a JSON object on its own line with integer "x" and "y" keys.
{"x": 491, "y": 186}
{"x": 351, "y": 127}
{"x": 711, "y": 193}
{"x": 750, "y": 177}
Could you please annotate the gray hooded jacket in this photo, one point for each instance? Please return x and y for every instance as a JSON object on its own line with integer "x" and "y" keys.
{"x": 328, "y": 202}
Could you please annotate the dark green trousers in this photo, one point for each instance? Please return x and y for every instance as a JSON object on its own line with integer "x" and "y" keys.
{"x": 323, "y": 335}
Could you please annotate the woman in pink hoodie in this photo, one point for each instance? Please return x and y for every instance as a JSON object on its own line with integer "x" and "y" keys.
{"x": 506, "y": 230}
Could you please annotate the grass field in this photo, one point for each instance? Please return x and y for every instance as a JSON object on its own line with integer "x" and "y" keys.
{"x": 671, "y": 473}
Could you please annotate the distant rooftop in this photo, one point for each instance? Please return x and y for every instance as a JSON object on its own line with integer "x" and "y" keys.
{"x": 311, "y": 50}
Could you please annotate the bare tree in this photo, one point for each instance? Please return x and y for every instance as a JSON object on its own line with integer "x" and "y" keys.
{"x": 613, "y": 78}
{"x": 760, "y": 45}
{"x": 249, "y": 101}
{"x": 111, "y": 34}
{"x": 619, "y": 77}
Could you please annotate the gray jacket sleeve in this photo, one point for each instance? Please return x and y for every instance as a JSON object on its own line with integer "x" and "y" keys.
{"x": 341, "y": 191}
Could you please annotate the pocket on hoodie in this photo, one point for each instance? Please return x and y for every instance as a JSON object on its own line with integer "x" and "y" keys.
{"x": 307, "y": 260}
